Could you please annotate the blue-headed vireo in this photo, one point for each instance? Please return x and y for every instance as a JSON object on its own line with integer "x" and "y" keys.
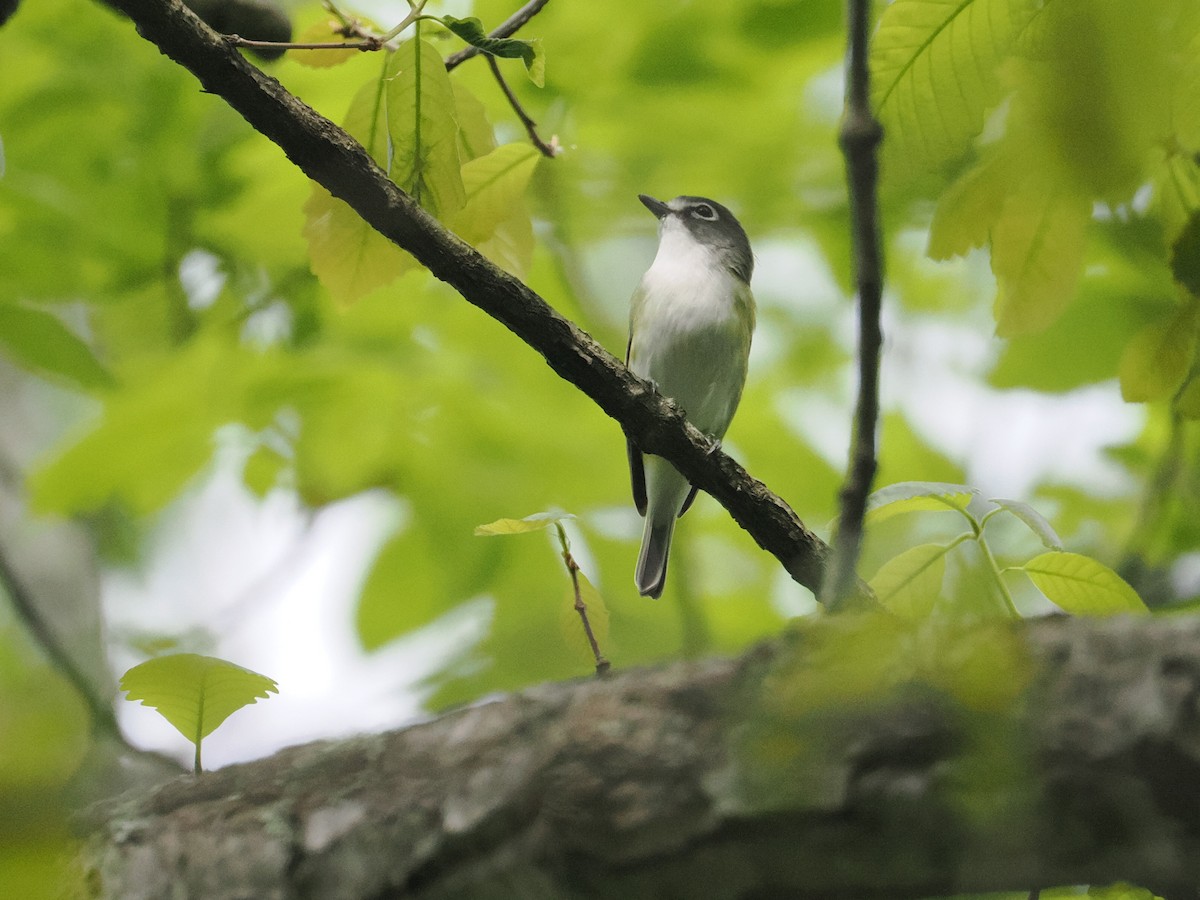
{"x": 690, "y": 324}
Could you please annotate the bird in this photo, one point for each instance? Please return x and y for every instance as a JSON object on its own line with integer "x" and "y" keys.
{"x": 691, "y": 320}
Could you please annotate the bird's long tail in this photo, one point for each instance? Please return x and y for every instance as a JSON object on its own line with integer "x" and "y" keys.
{"x": 651, "y": 572}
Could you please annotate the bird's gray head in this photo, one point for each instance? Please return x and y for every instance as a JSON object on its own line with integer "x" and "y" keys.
{"x": 710, "y": 224}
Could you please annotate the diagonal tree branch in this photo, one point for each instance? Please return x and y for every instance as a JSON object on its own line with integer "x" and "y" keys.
{"x": 331, "y": 157}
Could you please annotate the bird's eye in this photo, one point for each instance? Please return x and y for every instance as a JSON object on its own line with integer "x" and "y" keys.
{"x": 704, "y": 211}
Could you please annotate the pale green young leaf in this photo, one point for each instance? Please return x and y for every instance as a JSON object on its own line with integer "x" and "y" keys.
{"x": 323, "y": 31}
{"x": 534, "y": 522}
{"x": 1082, "y": 586}
{"x": 476, "y": 137}
{"x": 935, "y": 74}
{"x": 1120, "y": 891}
{"x": 909, "y": 584}
{"x": 1176, "y": 193}
{"x": 536, "y": 68}
{"x": 967, "y": 210}
{"x": 424, "y": 134}
{"x": 1034, "y": 520}
{"x": 511, "y": 244}
{"x": 915, "y": 496}
{"x": 351, "y": 258}
{"x": 1037, "y": 257}
{"x": 494, "y": 184}
{"x": 195, "y": 693}
{"x": 1158, "y": 358}
{"x": 39, "y": 341}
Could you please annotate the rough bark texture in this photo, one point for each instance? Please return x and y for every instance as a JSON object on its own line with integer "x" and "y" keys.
{"x": 640, "y": 786}
{"x": 329, "y": 156}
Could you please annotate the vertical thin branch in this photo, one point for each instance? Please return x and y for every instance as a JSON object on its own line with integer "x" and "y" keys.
{"x": 602, "y": 663}
{"x": 859, "y": 139}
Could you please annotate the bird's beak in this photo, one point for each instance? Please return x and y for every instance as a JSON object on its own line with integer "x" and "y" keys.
{"x": 657, "y": 207}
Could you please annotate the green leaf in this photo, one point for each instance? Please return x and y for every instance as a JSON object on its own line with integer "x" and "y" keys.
{"x": 324, "y": 31}
{"x": 143, "y": 450}
{"x": 195, "y": 693}
{"x": 935, "y": 66}
{"x": 1082, "y": 586}
{"x": 40, "y": 342}
{"x": 1037, "y": 257}
{"x": 534, "y": 522}
{"x": 423, "y": 156}
{"x": 913, "y": 496}
{"x": 909, "y": 584}
{"x": 967, "y": 210}
{"x": 1034, "y": 520}
{"x": 1158, "y": 358}
{"x": 494, "y": 184}
{"x": 529, "y": 52}
{"x": 476, "y": 137}
{"x": 349, "y": 256}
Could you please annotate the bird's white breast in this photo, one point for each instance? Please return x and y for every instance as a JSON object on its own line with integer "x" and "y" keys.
{"x": 691, "y": 323}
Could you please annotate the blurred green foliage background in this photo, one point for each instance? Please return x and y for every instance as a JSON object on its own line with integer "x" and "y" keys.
{"x": 155, "y": 290}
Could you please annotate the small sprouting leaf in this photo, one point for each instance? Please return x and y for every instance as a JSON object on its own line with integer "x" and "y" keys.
{"x": 534, "y": 522}
{"x": 530, "y": 52}
{"x": 1158, "y": 358}
{"x": 911, "y": 496}
{"x": 1082, "y": 586}
{"x": 1035, "y": 520}
{"x": 909, "y": 584}
{"x": 326, "y": 31}
{"x": 195, "y": 693}
{"x": 40, "y": 342}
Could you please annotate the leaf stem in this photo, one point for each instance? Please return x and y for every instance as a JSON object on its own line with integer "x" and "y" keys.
{"x": 602, "y": 664}
{"x": 997, "y": 573}
{"x": 550, "y": 150}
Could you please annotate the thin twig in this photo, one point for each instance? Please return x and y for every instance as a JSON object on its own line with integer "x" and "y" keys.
{"x": 507, "y": 28}
{"x": 99, "y": 710}
{"x": 551, "y": 149}
{"x": 602, "y": 664}
{"x": 859, "y": 139}
{"x": 367, "y": 44}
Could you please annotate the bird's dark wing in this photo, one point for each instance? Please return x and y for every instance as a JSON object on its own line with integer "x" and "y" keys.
{"x": 637, "y": 476}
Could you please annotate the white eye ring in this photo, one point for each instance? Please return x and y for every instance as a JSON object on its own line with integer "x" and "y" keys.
{"x": 704, "y": 211}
